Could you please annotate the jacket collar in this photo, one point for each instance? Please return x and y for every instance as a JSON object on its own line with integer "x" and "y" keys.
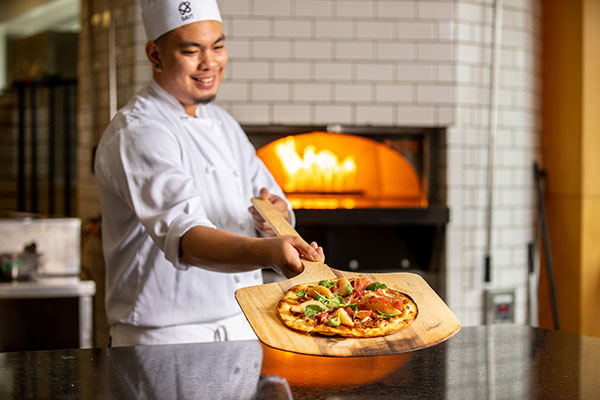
{"x": 173, "y": 103}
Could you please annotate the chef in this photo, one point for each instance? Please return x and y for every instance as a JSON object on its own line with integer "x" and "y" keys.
{"x": 175, "y": 175}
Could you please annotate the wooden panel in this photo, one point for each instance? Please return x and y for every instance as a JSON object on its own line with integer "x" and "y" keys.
{"x": 562, "y": 156}
{"x": 589, "y": 294}
{"x": 561, "y": 100}
{"x": 435, "y": 322}
{"x": 590, "y": 257}
{"x": 571, "y": 99}
{"x": 591, "y": 97}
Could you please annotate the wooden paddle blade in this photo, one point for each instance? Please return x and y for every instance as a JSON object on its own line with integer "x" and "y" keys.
{"x": 435, "y": 322}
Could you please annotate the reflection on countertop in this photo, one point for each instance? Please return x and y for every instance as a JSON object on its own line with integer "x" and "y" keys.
{"x": 499, "y": 361}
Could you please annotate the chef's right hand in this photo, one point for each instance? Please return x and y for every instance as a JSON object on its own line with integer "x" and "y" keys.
{"x": 284, "y": 253}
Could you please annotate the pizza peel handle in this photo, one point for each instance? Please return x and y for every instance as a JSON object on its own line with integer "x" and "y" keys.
{"x": 279, "y": 224}
{"x": 282, "y": 227}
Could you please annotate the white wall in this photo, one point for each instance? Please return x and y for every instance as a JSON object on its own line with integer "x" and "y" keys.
{"x": 350, "y": 62}
{"x": 518, "y": 145}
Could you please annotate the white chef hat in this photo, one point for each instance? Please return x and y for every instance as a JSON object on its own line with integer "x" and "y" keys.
{"x": 162, "y": 16}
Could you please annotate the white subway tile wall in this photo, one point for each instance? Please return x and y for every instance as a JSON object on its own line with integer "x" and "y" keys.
{"x": 377, "y": 62}
{"x": 517, "y": 146}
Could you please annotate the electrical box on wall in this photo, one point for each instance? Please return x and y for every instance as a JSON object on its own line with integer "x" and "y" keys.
{"x": 500, "y": 306}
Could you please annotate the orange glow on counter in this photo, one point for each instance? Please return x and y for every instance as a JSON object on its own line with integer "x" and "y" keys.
{"x": 301, "y": 369}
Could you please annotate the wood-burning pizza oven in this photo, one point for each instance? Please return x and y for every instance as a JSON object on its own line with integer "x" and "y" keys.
{"x": 372, "y": 196}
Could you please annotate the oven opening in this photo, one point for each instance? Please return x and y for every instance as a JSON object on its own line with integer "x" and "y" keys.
{"x": 323, "y": 170}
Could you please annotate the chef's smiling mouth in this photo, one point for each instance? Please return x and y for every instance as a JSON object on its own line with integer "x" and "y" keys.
{"x": 206, "y": 80}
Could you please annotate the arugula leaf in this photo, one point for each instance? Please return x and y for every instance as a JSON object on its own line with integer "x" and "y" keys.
{"x": 326, "y": 283}
{"x": 383, "y": 315}
{"x": 334, "y": 302}
{"x": 376, "y": 285}
{"x": 335, "y": 321}
{"x": 350, "y": 289}
{"x": 312, "y": 310}
{"x": 324, "y": 300}
{"x": 301, "y": 293}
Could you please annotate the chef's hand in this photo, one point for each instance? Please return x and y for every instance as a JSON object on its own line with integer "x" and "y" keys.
{"x": 284, "y": 253}
{"x": 259, "y": 222}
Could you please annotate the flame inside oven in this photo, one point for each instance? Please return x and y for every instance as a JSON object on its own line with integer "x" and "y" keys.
{"x": 333, "y": 170}
{"x": 315, "y": 171}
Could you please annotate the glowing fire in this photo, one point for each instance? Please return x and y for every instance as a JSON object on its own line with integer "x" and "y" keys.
{"x": 336, "y": 170}
{"x": 315, "y": 171}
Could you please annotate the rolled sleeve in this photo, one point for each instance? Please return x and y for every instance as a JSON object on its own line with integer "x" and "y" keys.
{"x": 177, "y": 229}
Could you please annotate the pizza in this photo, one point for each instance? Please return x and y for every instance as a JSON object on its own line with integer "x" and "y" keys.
{"x": 349, "y": 307}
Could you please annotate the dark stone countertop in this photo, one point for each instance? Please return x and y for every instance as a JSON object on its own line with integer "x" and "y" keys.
{"x": 496, "y": 362}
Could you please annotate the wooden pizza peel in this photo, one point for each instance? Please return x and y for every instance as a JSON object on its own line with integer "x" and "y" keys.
{"x": 435, "y": 322}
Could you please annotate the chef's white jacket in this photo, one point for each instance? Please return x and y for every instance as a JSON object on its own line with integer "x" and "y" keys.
{"x": 161, "y": 172}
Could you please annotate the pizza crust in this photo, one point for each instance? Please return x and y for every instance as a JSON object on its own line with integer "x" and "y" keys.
{"x": 381, "y": 327}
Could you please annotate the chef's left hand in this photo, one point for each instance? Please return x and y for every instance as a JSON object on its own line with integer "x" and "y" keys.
{"x": 259, "y": 222}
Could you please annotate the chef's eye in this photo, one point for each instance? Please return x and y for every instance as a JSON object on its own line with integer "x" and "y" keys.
{"x": 189, "y": 51}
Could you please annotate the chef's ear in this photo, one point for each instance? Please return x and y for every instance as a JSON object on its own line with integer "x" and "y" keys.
{"x": 153, "y": 54}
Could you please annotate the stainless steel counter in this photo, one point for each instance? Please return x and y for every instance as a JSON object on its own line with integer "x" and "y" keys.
{"x": 46, "y": 313}
{"x": 47, "y": 288}
{"x": 496, "y": 362}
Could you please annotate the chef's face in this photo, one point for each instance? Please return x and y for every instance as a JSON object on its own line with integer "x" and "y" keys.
{"x": 189, "y": 62}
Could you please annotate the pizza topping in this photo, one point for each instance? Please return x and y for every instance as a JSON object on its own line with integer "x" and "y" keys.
{"x": 353, "y": 303}
{"x": 360, "y": 284}
{"x": 349, "y": 289}
{"x": 350, "y": 307}
{"x": 333, "y": 302}
{"x": 301, "y": 308}
{"x": 363, "y": 314}
{"x": 381, "y": 304}
{"x": 376, "y": 285}
{"x": 312, "y": 309}
{"x": 344, "y": 287}
{"x": 316, "y": 291}
{"x": 322, "y": 317}
{"x": 343, "y": 317}
{"x": 326, "y": 283}
{"x": 385, "y": 316}
{"x": 398, "y": 302}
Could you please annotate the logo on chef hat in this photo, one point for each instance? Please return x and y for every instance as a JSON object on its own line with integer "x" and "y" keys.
{"x": 185, "y": 10}
{"x": 162, "y": 16}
